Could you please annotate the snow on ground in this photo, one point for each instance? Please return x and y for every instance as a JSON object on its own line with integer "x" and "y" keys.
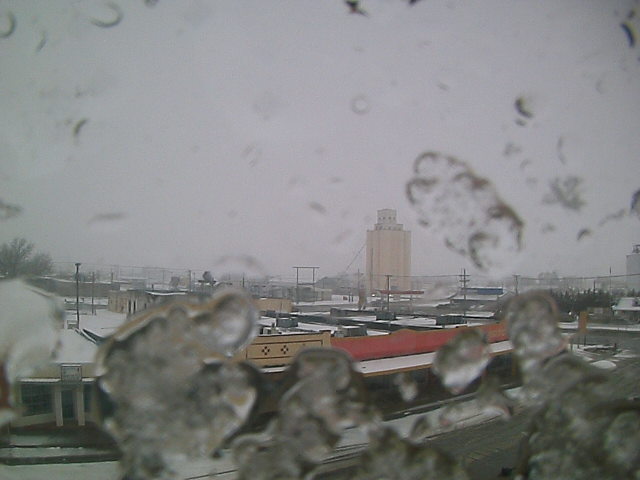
{"x": 72, "y": 471}
{"x": 593, "y": 354}
{"x": 604, "y": 364}
{"x": 601, "y": 326}
{"x": 103, "y": 323}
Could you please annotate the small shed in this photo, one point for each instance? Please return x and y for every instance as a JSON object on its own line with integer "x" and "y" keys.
{"x": 628, "y": 308}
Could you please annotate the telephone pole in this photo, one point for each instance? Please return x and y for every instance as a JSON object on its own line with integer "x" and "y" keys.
{"x": 463, "y": 280}
{"x": 388, "y": 291}
{"x": 313, "y": 273}
{"x": 78, "y": 295}
{"x": 93, "y": 293}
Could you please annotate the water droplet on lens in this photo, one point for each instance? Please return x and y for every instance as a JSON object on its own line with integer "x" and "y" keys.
{"x": 565, "y": 192}
{"x": 360, "y": 104}
{"x": 317, "y": 207}
{"x": 491, "y": 398}
{"x": 391, "y": 457}
{"x": 171, "y": 399}
{"x": 532, "y": 323}
{"x": 462, "y": 360}
{"x": 232, "y": 266}
{"x": 30, "y": 320}
{"x": 422, "y": 427}
{"x": 523, "y": 107}
{"x": 635, "y": 203}
{"x": 465, "y": 210}
{"x": 229, "y": 323}
{"x": 8, "y": 210}
{"x": 407, "y": 386}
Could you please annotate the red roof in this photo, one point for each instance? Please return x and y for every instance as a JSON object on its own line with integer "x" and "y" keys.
{"x": 409, "y": 342}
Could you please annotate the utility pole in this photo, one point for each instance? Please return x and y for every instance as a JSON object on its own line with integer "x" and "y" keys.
{"x": 93, "y": 291}
{"x": 515, "y": 280}
{"x": 78, "y": 295}
{"x": 313, "y": 282}
{"x": 463, "y": 281}
{"x": 388, "y": 291}
{"x": 313, "y": 270}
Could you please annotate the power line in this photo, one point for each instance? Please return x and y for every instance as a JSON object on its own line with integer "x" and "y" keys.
{"x": 354, "y": 258}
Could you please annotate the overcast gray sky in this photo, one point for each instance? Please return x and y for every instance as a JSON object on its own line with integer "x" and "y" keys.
{"x": 196, "y": 130}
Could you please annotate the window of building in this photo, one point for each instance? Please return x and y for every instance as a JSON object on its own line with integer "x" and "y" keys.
{"x": 88, "y": 396}
{"x": 36, "y": 399}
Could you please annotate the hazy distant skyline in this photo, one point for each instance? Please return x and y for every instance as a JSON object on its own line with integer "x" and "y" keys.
{"x": 194, "y": 133}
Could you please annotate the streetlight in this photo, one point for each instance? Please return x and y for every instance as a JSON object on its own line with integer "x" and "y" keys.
{"x": 78, "y": 294}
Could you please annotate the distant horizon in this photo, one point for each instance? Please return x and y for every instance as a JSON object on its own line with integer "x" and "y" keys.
{"x": 236, "y": 274}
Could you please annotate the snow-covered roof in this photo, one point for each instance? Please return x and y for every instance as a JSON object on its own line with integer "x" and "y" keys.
{"x": 628, "y": 304}
{"x": 164, "y": 294}
{"x": 410, "y": 362}
{"x": 305, "y": 327}
{"x": 74, "y": 348}
{"x": 415, "y": 322}
{"x": 474, "y": 297}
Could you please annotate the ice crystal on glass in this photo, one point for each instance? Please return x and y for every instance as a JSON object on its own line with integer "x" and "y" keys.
{"x": 391, "y": 457}
{"x": 532, "y": 323}
{"x": 326, "y": 398}
{"x": 29, "y": 321}
{"x": 176, "y": 393}
{"x": 407, "y": 386}
{"x": 461, "y": 360}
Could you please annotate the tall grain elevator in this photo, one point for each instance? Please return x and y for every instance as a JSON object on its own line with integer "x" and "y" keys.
{"x": 633, "y": 269}
{"x": 388, "y": 260}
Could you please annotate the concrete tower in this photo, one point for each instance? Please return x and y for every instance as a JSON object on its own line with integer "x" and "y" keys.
{"x": 633, "y": 268}
{"x": 388, "y": 253}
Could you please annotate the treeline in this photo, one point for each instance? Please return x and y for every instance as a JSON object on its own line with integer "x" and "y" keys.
{"x": 578, "y": 301}
{"x": 18, "y": 258}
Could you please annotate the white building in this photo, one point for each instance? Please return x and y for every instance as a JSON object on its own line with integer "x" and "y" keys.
{"x": 388, "y": 260}
{"x": 61, "y": 392}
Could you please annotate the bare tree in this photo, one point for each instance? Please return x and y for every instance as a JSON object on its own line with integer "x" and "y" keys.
{"x": 16, "y": 259}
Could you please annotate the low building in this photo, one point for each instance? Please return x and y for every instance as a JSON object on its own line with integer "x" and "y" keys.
{"x": 628, "y": 309}
{"x": 277, "y": 305}
{"x": 133, "y": 301}
{"x": 479, "y": 297}
{"x": 60, "y": 393}
{"x": 129, "y": 301}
